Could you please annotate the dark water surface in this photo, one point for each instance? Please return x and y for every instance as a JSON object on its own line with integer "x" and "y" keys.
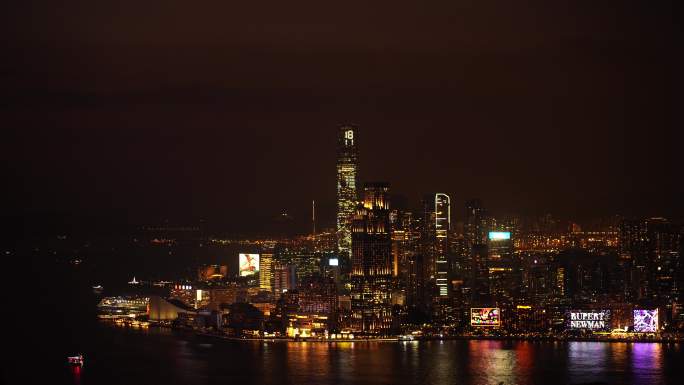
{"x": 117, "y": 355}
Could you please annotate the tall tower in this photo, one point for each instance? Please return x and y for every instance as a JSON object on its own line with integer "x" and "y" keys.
{"x": 347, "y": 181}
{"x": 442, "y": 227}
{"x": 372, "y": 262}
{"x": 476, "y": 229}
{"x": 313, "y": 216}
{"x": 475, "y": 224}
{"x": 266, "y": 271}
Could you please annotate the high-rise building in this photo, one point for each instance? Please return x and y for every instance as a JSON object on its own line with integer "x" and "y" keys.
{"x": 266, "y": 271}
{"x": 372, "y": 262}
{"x": 664, "y": 260}
{"x": 403, "y": 243}
{"x": 505, "y": 276}
{"x": 442, "y": 227}
{"x": 434, "y": 247}
{"x": 428, "y": 243}
{"x": 633, "y": 250}
{"x": 476, "y": 229}
{"x": 407, "y": 260}
{"x": 475, "y": 226}
{"x": 347, "y": 180}
{"x": 284, "y": 278}
{"x": 652, "y": 248}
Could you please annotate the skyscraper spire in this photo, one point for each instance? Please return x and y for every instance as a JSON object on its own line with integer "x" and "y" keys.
{"x": 347, "y": 181}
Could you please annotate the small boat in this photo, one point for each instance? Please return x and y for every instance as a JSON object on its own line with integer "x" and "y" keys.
{"x": 98, "y": 289}
{"x": 76, "y": 360}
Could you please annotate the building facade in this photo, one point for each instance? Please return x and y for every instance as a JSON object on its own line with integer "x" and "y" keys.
{"x": 442, "y": 227}
{"x": 372, "y": 263}
{"x": 347, "y": 180}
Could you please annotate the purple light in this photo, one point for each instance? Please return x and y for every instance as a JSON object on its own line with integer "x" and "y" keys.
{"x": 645, "y": 321}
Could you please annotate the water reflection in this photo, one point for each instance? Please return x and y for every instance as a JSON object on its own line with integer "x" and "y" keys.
{"x": 619, "y": 353}
{"x": 587, "y": 362}
{"x": 448, "y": 362}
{"x": 76, "y": 371}
{"x": 491, "y": 362}
{"x": 471, "y": 362}
{"x": 524, "y": 354}
{"x": 647, "y": 362}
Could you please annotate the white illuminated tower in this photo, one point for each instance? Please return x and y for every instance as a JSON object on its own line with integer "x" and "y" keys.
{"x": 442, "y": 227}
{"x": 347, "y": 181}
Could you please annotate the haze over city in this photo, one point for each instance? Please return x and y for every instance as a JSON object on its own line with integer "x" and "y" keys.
{"x": 561, "y": 108}
{"x": 307, "y": 192}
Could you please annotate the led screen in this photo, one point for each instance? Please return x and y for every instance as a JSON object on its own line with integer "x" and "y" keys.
{"x": 499, "y": 235}
{"x": 588, "y": 319}
{"x": 249, "y": 264}
{"x": 333, "y": 262}
{"x": 645, "y": 321}
{"x": 485, "y": 316}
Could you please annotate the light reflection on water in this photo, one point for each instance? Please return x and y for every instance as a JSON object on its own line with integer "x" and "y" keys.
{"x": 587, "y": 361}
{"x": 647, "y": 362}
{"x": 436, "y": 362}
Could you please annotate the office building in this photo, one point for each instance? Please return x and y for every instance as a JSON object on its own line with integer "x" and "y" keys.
{"x": 372, "y": 262}
{"x": 442, "y": 227}
{"x": 266, "y": 272}
{"x": 347, "y": 181}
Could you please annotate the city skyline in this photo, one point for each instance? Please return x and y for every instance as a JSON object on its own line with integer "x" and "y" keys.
{"x": 470, "y": 192}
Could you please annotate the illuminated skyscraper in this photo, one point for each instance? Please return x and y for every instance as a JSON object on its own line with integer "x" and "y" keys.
{"x": 434, "y": 248}
{"x": 442, "y": 227}
{"x": 347, "y": 198}
{"x": 266, "y": 272}
{"x": 406, "y": 257}
{"x": 372, "y": 262}
{"x": 503, "y": 266}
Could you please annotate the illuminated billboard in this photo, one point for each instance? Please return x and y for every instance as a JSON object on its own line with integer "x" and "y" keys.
{"x": 485, "y": 316}
{"x": 249, "y": 264}
{"x": 645, "y": 321}
{"x": 333, "y": 262}
{"x": 588, "y": 319}
{"x": 499, "y": 235}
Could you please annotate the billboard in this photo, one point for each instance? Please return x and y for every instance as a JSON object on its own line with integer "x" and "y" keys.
{"x": 588, "y": 319}
{"x": 485, "y": 316}
{"x": 645, "y": 321}
{"x": 333, "y": 262}
{"x": 249, "y": 264}
{"x": 499, "y": 235}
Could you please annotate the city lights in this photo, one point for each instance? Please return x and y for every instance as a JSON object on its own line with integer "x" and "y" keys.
{"x": 329, "y": 193}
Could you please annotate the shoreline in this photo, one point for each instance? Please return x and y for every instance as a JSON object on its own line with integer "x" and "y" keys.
{"x": 451, "y": 338}
{"x": 395, "y": 339}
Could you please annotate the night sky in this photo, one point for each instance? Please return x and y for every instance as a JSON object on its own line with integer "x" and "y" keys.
{"x": 152, "y": 110}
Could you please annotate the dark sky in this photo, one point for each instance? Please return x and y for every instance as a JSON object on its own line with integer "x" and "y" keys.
{"x": 228, "y": 110}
